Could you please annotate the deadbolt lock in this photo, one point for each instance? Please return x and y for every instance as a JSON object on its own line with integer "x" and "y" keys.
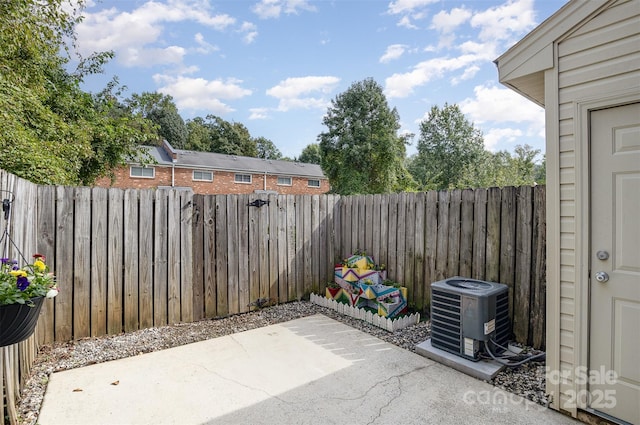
{"x": 602, "y": 255}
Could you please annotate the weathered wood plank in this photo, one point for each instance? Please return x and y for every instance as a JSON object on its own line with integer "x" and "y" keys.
{"x": 160, "y": 258}
{"x": 479, "y": 234}
{"x": 233, "y": 255}
{"x": 210, "y": 291}
{"x": 392, "y": 238}
{"x": 409, "y": 199}
{"x": 283, "y": 263}
{"x": 466, "y": 233}
{"x": 198, "y": 256}
{"x": 299, "y": 235}
{"x": 492, "y": 257}
{"x": 401, "y": 248}
{"x": 322, "y": 254}
{"x": 64, "y": 257}
{"x": 430, "y": 249}
{"x": 453, "y": 254}
{"x": 419, "y": 244}
{"x": 383, "y": 258}
{"x": 374, "y": 227}
{"x": 273, "y": 247}
{"x": 539, "y": 267}
{"x": 263, "y": 242}
{"x": 367, "y": 224}
{"x": 186, "y": 256}
{"x": 173, "y": 258}
{"x": 442, "y": 245}
{"x": 335, "y": 237}
{"x": 508, "y": 243}
{"x": 292, "y": 276}
{"x": 361, "y": 230}
{"x": 306, "y": 243}
{"x": 131, "y": 250}
{"x": 345, "y": 227}
{"x": 244, "y": 292}
{"x": 221, "y": 255}
{"x": 316, "y": 254}
{"x": 254, "y": 249}
{"x": 522, "y": 290}
{"x": 46, "y": 246}
{"x": 145, "y": 259}
{"x": 115, "y": 249}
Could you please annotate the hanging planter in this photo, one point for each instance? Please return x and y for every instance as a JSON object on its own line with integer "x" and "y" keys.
{"x": 22, "y": 289}
{"x": 18, "y": 321}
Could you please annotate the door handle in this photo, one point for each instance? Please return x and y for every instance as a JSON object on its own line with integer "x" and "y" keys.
{"x": 602, "y": 277}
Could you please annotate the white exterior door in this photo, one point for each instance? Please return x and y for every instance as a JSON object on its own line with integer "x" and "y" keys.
{"x": 614, "y": 340}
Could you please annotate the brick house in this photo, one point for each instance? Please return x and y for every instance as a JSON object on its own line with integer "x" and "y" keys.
{"x": 213, "y": 173}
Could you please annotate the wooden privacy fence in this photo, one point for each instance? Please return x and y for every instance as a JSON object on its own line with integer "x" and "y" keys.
{"x": 133, "y": 259}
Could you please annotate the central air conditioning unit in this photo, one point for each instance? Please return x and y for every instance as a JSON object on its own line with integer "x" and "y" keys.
{"x": 467, "y": 313}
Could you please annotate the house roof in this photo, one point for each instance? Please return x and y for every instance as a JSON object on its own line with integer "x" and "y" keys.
{"x": 522, "y": 67}
{"x": 222, "y": 162}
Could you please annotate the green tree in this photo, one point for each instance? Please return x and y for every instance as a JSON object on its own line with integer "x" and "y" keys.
{"x": 52, "y": 132}
{"x": 311, "y": 154}
{"x": 448, "y": 144}
{"x": 198, "y": 137}
{"x": 502, "y": 169}
{"x": 361, "y": 150}
{"x": 267, "y": 149}
{"x": 162, "y": 111}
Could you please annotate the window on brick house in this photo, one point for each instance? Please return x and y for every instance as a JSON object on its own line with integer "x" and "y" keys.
{"x": 143, "y": 172}
{"x": 203, "y": 176}
{"x": 284, "y": 181}
{"x": 243, "y": 178}
{"x": 313, "y": 183}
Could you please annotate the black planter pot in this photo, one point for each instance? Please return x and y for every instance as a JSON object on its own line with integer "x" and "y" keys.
{"x": 18, "y": 321}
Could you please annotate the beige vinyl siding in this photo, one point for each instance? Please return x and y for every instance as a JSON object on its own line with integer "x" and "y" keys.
{"x": 597, "y": 59}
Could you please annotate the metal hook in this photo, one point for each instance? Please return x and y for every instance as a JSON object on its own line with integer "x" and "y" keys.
{"x": 258, "y": 203}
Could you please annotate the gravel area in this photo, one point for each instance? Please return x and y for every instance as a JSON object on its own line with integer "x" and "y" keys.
{"x": 527, "y": 380}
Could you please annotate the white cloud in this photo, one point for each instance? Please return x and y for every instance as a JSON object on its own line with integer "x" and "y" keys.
{"x": 204, "y": 46}
{"x": 407, "y": 6}
{"x": 130, "y": 34}
{"x": 405, "y": 21}
{"x": 259, "y": 113}
{"x": 503, "y": 22}
{"x": 149, "y": 57}
{"x": 447, "y": 22}
{"x": 393, "y": 51}
{"x": 295, "y": 93}
{"x": 497, "y": 135}
{"x": 495, "y": 105}
{"x": 201, "y": 94}
{"x": 402, "y": 84}
{"x": 468, "y": 74}
{"x": 269, "y": 9}
{"x": 250, "y": 31}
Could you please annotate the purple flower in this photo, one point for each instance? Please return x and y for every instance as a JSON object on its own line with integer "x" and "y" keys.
{"x": 22, "y": 283}
{"x": 4, "y": 260}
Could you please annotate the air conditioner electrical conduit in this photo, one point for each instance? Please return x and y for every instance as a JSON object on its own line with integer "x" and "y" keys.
{"x": 508, "y": 363}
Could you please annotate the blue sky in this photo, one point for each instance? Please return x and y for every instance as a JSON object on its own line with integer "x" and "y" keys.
{"x": 275, "y": 65}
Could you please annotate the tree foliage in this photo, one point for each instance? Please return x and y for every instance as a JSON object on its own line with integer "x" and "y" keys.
{"x": 267, "y": 149}
{"x": 448, "y": 144}
{"x": 361, "y": 151}
{"x": 162, "y": 111}
{"x": 52, "y": 132}
{"x": 311, "y": 154}
{"x": 214, "y": 134}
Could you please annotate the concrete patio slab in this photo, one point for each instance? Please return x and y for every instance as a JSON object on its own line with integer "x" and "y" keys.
{"x": 313, "y": 370}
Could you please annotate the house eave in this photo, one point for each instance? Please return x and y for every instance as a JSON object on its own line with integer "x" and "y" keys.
{"x": 522, "y": 67}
